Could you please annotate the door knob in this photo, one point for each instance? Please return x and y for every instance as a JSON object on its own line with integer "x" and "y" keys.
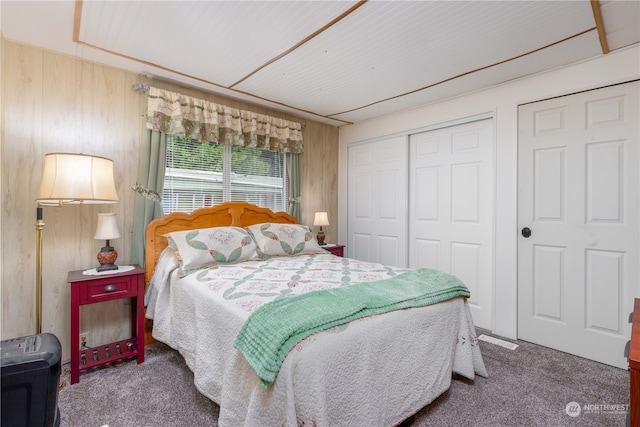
{"x": 526, "y": 232}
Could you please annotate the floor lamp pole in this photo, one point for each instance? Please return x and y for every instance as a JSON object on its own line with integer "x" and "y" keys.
{"x": 39, "y": 227}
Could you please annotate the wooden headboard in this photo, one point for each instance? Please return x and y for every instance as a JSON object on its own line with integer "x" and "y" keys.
{"x": 239, "y": 214}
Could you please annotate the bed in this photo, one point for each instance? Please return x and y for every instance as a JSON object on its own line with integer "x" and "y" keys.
{"x": 372, "y": 370}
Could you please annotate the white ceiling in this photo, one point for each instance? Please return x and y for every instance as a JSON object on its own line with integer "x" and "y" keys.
{"x": 333, "y": 61}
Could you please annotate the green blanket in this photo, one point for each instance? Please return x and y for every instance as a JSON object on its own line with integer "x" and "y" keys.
{"x": 275, "y": 328}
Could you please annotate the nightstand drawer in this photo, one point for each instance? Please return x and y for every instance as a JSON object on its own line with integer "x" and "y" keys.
{"x": 107, "y": 289}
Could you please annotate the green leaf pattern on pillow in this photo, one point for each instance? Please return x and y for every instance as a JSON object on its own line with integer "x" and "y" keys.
{"x": 264, "y": 229}
{"x": 190, "y": 239}
{"x": 234, "y": 255}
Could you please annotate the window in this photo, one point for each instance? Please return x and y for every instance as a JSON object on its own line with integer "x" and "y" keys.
{"x": 200, "y": 174}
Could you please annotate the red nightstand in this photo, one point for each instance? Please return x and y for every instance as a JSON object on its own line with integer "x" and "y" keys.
{"x": 88, "y": 289}
{"x": 337, "y": 250}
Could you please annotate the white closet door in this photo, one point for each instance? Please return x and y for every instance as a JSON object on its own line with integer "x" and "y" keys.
{"x": 377, "y": 201}
{"x": 451, "y": 208}
{"x": 578, "y": 199}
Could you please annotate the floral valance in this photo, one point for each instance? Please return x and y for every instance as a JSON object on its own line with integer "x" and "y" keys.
{"x": 176, "y": 114}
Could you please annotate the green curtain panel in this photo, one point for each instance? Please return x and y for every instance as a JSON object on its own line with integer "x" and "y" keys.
{"x": 148, "y": 202}
{"x": 294, "y": 186}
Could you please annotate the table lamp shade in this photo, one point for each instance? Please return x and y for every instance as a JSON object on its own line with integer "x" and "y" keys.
{"x": 107, "y": 228}
{"x": 76, "y": 178}
{"x": 321, "y": 219}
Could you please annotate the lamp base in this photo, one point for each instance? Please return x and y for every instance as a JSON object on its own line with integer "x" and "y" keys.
{"x": 107, "y": 258}
{"x": 107, "y": 267}
{"x": 320, "y": 238}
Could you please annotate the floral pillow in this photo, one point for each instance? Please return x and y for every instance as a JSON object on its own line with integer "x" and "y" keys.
{"x": 200, "y": 248}
{"x": 283, "y": 239}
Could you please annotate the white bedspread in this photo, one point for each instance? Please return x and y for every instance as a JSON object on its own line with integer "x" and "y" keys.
{"x": 374, "y": 371}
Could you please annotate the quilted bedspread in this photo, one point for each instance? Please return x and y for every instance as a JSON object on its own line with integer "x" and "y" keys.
{"x": 276, "y": 327}
{"x": 376, "y": 370}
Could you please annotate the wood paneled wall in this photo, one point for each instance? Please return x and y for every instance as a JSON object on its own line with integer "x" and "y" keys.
{"x": 57, "y": 103}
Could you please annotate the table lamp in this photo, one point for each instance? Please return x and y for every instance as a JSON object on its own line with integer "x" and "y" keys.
{"x": 107, "y": 229}
{"x": 320, "y": 220}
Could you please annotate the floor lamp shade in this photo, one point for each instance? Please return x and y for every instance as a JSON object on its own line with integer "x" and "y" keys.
{"x": 76, "y": 178}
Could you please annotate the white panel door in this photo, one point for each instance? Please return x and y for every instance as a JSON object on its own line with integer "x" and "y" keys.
{"x": 451, "y": 208}
{"x": 578, "y": 195}
{"x": 377, "y": 201}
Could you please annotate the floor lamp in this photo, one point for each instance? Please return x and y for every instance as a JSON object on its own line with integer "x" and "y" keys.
{"x": 69, "y": 178}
